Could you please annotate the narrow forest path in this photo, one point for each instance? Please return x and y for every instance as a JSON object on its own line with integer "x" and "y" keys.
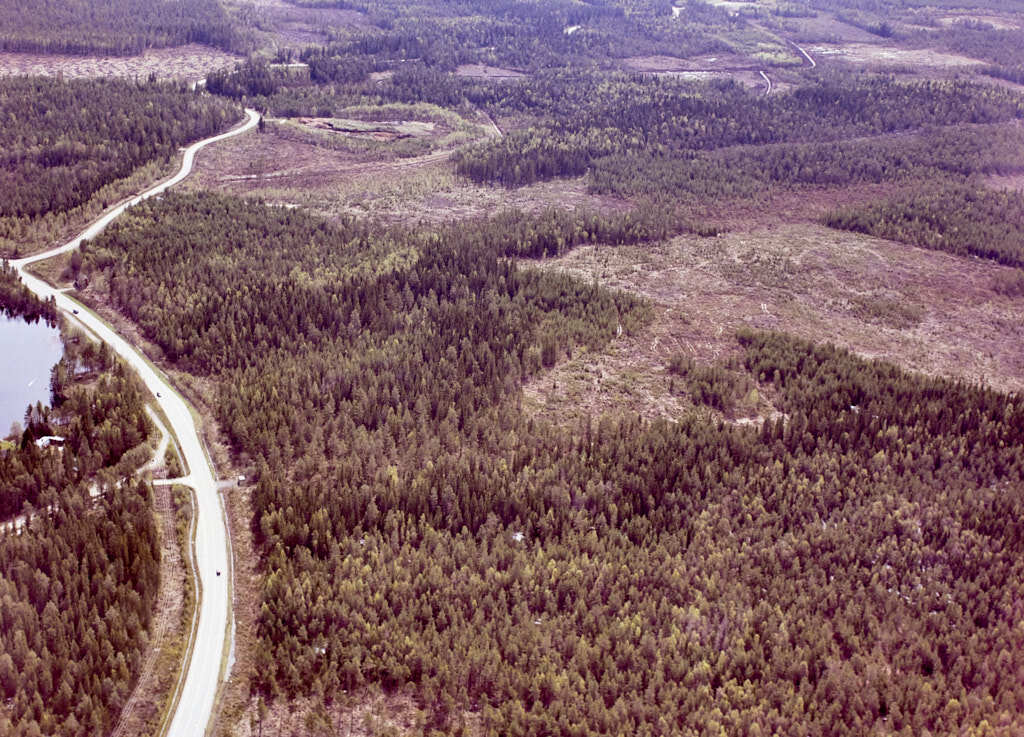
{"x": 206, "y": 659}
{"x": 806, "y": 56}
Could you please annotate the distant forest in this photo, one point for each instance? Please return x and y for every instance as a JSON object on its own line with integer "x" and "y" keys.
{"x": 117, "y": 27}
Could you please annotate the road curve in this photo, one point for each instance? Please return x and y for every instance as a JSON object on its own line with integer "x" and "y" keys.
{"x": 210, "y": 643}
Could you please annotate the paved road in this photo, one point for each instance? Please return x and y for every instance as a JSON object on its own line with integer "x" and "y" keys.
{"x": 211, "y": 637}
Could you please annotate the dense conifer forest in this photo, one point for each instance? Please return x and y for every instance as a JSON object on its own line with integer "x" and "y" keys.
{"x": 850, "y": 566}
{"x": 61, "y": 141}
{"x": 77, "y": 591}
{"x": 78, "y": 582}
{"x": 522, "y": 35}
{"x": 17, "y": 301}
{"x": 741, "y": 171}
{"x": 964, "y": 220}
{"x": 662, "y": 119}
{"x": 113, "y": 26}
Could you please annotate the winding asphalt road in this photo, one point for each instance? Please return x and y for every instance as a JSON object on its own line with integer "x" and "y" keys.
{"x": 211, "y": 635}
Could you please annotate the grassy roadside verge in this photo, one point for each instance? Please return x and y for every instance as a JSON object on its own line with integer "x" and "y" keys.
{"x": 154, "y": 697}
{"x": 176, "y": 658}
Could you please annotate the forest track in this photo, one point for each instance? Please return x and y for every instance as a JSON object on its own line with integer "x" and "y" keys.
{"x": 209, "y": 644}
{"x": 491, "y": 125}
{"x": 803, "y": 53}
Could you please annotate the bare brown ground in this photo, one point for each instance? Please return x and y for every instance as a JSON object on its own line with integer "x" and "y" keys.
{"x": 340, "y": 183}
{"x": 482, "y": 71}
{"x": 192, "y": 62}
{"x": 866, "y": 54}
{"x": 293, "y": 26}
{"x": 368, "y": 715}
{"x": 923, "y": 310}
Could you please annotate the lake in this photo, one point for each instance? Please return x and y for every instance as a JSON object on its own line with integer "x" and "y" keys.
{"x": 27, "y": 353}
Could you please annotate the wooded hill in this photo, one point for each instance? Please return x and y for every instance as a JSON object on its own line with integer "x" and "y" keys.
{"x": 663, "y": 119}
{"x": 526, "y": 35}
{"x": 850, "y": 567}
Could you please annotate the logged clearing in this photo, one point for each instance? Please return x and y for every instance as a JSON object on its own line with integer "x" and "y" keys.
{"x": 482, "y": 71}
{"x": 999, "y": 22}
{"x": 874, "y": 54}
{"x": 294, "y": 26}
{"x": 700, "y": 69}
{"x": 383, "y": 130}
{"x": 704, "y": 63}
{"x": 924, "y": 310}
{"x": 825, "y": 27}
{"x": 1014, "y": 182}
{"x": 336, "y": 183}
{"x": 190, "y": 63}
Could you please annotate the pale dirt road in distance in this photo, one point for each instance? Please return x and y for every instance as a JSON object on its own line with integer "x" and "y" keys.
{"x": 805, "y": 55}
{"x": 211, "y": 637}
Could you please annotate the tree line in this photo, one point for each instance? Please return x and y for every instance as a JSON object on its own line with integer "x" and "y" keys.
{"x": 961, "y": 219}
{"x": 951, "y": 154}
{"x": 664, "y": 119}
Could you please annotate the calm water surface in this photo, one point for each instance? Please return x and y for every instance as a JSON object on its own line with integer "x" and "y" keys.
{"x": 27, "y": 353}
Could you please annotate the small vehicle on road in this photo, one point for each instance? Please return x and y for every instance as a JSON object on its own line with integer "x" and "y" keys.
{"x": 218, "y": 573}
{"x": 74, "y": 312}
